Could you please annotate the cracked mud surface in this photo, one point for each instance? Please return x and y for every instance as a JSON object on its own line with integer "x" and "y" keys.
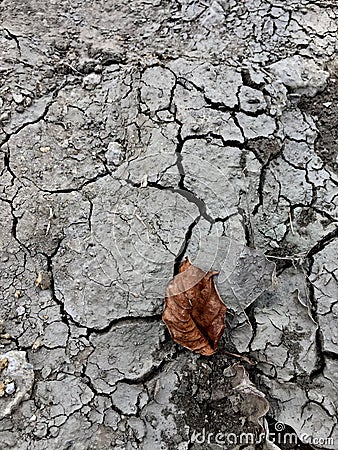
{"x": 134, "y": 134}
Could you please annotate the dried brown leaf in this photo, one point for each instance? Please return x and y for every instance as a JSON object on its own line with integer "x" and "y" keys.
{"x": 194, "y": 312}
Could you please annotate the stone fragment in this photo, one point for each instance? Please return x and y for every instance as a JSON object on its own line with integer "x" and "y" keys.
{"x": 10, "y": 388}
{"x": 18, "y": 98}
{"x": 91, "y": 81}
{"x": 3, "y": 363}
{"x": 43, "y": 280}
{"x": 19, "y": 388}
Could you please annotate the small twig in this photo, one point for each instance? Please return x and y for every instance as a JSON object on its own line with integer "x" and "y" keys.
{"x": 292, "y": 257}
{"x": 142, "y": 221}
{"x": 51, "y": 214}
{"x": 73, "y": 68}
{"x": 235, "y": 355}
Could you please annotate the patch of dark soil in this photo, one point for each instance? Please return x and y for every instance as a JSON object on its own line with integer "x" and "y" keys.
{"x": 264, "y": 148}
{"x": 305, "y": 217}
{"x": 324, "y": 110}
{"x": 208, "y": 400}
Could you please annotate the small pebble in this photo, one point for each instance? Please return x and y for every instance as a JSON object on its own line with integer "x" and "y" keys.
{"x": 18, "y": 98}
{"x": 91, "y": 81}
{"x": 3, "y": 363}
{"x": 20, "y": 311}
{"x": 27, "y": 101}
{"x": 10, "y": 388}
{"x": 43, "y": 280}
{"x": 36, "y": 345}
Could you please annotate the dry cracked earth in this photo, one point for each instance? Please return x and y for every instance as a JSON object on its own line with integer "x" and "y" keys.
{"x": 135, "y": 133}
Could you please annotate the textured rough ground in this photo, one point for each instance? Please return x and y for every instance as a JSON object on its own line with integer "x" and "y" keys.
{"x": 132, "y": 134}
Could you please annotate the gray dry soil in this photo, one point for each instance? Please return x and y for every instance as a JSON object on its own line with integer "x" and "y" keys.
{"x": 134, "y": 133}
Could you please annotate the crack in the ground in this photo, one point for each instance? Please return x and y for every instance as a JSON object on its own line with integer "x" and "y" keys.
{"x": 129, "y": 320}
{"x": 322, "y": 243}
{"x": 181, "y": 253}
{"x": 53, "y": 96}
{"x": 15, "y": 38}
